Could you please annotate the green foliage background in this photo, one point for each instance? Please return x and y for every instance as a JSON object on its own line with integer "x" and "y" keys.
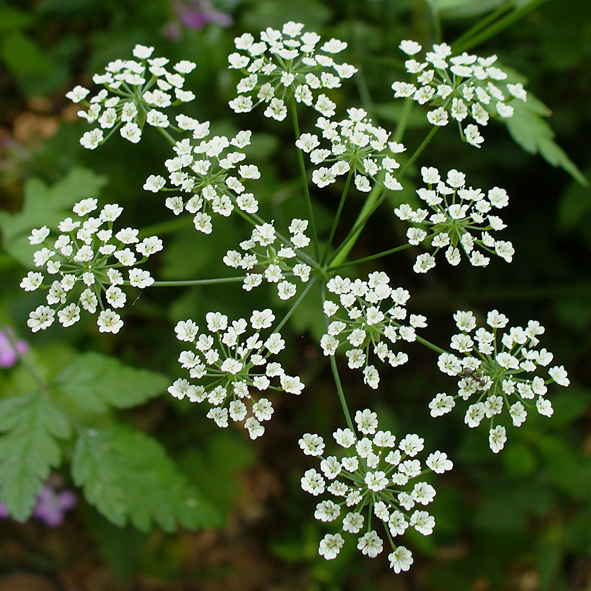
{"x": 520, "y": 520}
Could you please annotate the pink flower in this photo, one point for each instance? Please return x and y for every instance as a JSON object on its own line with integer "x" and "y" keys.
{"x": 10, "y": 349}
{"x": 195, "y": 15}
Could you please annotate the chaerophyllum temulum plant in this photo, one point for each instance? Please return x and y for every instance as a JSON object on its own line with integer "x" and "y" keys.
{"x": 371, "y": 485}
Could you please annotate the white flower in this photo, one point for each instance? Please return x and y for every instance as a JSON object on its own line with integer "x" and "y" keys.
{"x": 559, "y": 375}
{"x": 497, "y": 438}
{"x": 312, "y": 445}
{"x": 154, "y": 183}
{"x": 41, "y": 318}
{"x": 109, "y": 321}
{"x": 330, "y": 546}
{"x": 367, "y": 421}
{"x": 401, "y": 559}
{"x": 312, "y": 482}
{"x": 91, "y": 139}
{"x": 370, "y": 544}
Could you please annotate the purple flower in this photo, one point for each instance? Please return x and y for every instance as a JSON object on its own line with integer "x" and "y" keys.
{"x": 52, "y": 506}
{"x": 10, "y": 349}
{"x": 195, "y": 15}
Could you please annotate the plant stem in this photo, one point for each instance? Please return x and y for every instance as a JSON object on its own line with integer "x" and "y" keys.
{"x": 337, "y": 217}
{"x": 436, "y": 23}
{"x": 296, "y": 304}
{"x": 372, "y": 203}
{"x": 189, "y": 282}
{"x": 370, "y": 258}
{"x": 401, "y": 128}
{"x": 430, "y": 345}
{"x": 497, "y": 27}
{"x": 342, "y": 399}
{"x": 337, "y": 378}
{"x": 165, "y": 133}
{"x": 296, "y": 129}
{"x": 481, "y": 24}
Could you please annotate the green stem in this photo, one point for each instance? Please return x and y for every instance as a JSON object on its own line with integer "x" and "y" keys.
{"x": 296, "y": 129}
{"x": 167, "y": 136}
{"x": 436, "y": 23}
{"x": 372, "y": 203}
{"x": 497, "y": 27}
{"x": 482, "y": 24}
{"x": 430, "y": 345}
{"x": 401, "y": 127}
{"x": 337, "y": 217}
{"x": 342, "y": 399}
{"x": 296, "y": 304}
{"x": 370, "y": 258}
{"x": 337, "y": 378}
{"x": 189, "y": 282}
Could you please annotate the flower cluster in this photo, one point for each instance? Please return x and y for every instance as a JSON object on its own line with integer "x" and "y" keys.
{"x": 462, "y": 86}
{"x": 357, "y": 147}
{"x": 134, "y": 93}
{"x": 86, "y": 257}
{"x": 212, "y": 173}
{"x": 376, "y": 477}
{"x": 278, "y": 261}
{"x": 365, "y": 325}
{"x": 459, "y": 217}
{"x": 283, "y": 64}
{"x": 496, "y": 370}
{"x": 231, "y": 366}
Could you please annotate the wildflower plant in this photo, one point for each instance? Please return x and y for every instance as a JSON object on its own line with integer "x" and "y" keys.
{"x": 374, "y": 487}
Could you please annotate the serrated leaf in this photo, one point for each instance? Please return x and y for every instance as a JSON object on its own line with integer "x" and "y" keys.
{"x": 95, "y": 382}
{"x": 127, "y": 475}
{"x": 45, "y": 206}
{"x": 529, "y": 129}
{"x": 28, "y": 449}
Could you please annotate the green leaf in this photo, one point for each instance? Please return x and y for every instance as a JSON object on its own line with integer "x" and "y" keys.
{"x": 215, "y": 469}
{"x": 529, "y": 129}
{"x": 28, "y": 449}
{"x": 21, "y": 54}
{"x": 12, "y": 19}
{"x": 95, "y": 382}
{"x": 127, "y": 475}
{"x": 451, "y": 9}
{"x": 574, "y": 205}
{"x": 45, "y": 206}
